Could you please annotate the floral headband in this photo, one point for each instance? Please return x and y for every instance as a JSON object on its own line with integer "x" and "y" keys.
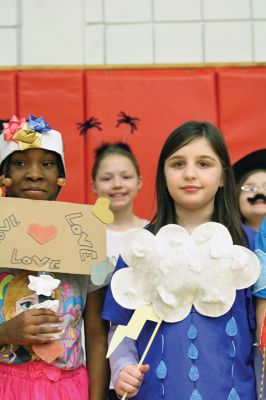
{"x": 27, "y": 134}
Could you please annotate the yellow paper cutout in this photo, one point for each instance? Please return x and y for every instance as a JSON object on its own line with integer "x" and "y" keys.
{"x": 101, "y": 210}
{"x": 133, "y": 328}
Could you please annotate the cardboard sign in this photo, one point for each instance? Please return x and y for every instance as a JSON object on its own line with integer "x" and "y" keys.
{"x": 50, "y": 236}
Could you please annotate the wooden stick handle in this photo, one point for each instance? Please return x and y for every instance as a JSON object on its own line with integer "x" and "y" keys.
{"x": 146, "y": 350}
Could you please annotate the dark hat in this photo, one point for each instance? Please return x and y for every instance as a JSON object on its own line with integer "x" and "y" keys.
{"x": 250, "y": 162}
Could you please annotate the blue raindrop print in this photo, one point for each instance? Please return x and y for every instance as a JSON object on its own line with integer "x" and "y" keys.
{"x": 192, "y": 332}
{"x": 231, "y": 327}
{"x": 162, "y": 388}
{"x": 233, "y": 395}
{"x": 161, "y": 370}
{"x": 162, "y": 337}
{"x": 193, "y": 373}
{"x": 192, "y": 352}
{"x": 195, "y": 395}
{"x": 232, "y": 350}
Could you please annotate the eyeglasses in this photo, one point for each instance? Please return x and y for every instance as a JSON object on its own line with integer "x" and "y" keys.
{"x": 254, "y": 189}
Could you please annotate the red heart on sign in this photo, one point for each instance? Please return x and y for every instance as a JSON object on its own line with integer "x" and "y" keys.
{"x": 42, "y": 234}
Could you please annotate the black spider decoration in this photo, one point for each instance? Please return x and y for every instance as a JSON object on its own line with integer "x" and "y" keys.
{"x": 88, "y": 124}
{"x": 126, "y": 119}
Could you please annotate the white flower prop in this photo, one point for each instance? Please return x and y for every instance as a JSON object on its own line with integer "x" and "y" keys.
{"x": 175, "y": 270}
{"x": 49, "y": 305}
{"x": 52, "y": 305}
{"x": 43, "y": 284}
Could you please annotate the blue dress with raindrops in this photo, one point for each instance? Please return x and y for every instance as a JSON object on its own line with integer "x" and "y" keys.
{"x": 199, "y": 358}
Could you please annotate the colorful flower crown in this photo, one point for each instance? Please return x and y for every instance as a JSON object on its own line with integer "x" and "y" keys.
{"x": 25, "y": 133}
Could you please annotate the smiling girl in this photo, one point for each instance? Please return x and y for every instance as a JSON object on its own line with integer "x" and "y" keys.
{"x": 199, "y": 357}
{"x": 32, "y": 167}
{"x": 116, "y": 175}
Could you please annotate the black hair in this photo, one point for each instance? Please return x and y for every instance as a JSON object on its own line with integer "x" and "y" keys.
{"x": 2, "y": 121}
{"x": 106, "y": 149}
{"x": 225, "y": 204}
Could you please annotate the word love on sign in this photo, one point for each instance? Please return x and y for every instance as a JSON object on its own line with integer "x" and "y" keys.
{"x": 8, "y": 223}
{"x": 39, "y": 235}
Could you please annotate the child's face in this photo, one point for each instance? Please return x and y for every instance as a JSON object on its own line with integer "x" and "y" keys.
{"x": 34, "y": 173}
{"x": 193, "y": 175}
{"x": 252, "y": 211}
{"x": 118, "y": 180}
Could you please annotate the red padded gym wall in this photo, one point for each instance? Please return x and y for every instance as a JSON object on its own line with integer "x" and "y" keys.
{"x": 242, "y": 109}
{"x": 162, "y": 99}
{"x": 58, "y": 96}
{"x": 7, "y": 94}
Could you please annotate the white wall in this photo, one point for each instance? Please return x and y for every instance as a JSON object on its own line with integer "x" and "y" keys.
{"x": 104, "y": 32}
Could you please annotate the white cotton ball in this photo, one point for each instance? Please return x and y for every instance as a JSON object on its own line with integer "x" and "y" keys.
{"x": 140, "y": 251}
{"x": 166, "y": 297}
{"x": 195, "y": 266}
{"x": 176, "y": 242}
{"x": 240, "y": 261}
{"x": 166, "y": 266}
{"x": 214, "y": 296}
{"x": 220, "y": 248}
{"x": 203, "y": 236}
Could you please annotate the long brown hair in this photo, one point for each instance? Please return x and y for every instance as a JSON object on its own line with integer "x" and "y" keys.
{"x": 225, "y": 204}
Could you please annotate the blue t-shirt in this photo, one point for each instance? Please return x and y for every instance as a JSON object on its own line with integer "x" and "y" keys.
{"x": 250, "y": 234}
{"x": 260, "y": 247}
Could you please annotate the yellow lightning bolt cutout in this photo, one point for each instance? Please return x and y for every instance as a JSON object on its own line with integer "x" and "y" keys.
{"x": 133, "y": 328}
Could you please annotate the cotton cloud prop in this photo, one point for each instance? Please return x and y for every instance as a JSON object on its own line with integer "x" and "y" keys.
{"x": 175, "y": 270}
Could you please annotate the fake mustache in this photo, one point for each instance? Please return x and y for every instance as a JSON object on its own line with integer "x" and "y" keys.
{"x": 259, "y": 196}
